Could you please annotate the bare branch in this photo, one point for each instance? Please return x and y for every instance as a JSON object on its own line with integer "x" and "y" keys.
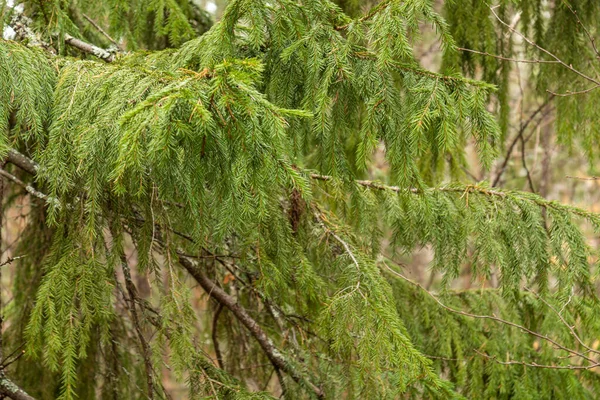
{"x": 517, "y": 137}
{"x": 22, "y": 161}
{"x": 570, "y": 93}
{"x": 584, "y": 178}
{"x": 506, "y": 58}
{"x": 89, "y": 48}
{"x": 102, "y": 31}
{"x": 532, "y": 43}
{"x": 10, "y": 389}
{"x": 30, "y": 189}
{"x": 562, "y": 319}
{"x": 536, "y": 365}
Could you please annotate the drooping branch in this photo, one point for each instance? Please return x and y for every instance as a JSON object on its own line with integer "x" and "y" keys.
{"x": 146, "y": 350}
{"x": 275, "y": 356}
{"x": 595, "y": 81}
{"x": 573, "y": 352}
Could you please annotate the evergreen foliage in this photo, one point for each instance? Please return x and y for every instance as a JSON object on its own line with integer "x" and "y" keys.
{"x": 236, "y": 155}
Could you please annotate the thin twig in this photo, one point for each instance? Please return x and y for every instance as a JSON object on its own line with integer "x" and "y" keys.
{"x": 584, "y": 178}
{"x": 587, "y": 32}
{"x": 102, "y": 31}
{"x": 532, "y": 43}
{"x": 146, "y": 350}
{"x": 506, "y": 58}
{"x": 536, "y": 365}
{"x": 562, "y": 319}
{"x": 570, "y": 93}
{"x": 30, "y": 189}
{"x": 524, "y": 162}
{"x": 517, "y": 137}
{"x": 10, "y": 260}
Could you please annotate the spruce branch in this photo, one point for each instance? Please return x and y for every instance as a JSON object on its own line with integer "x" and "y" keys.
{"x": 30, "y": 189}
{"x": 494, "y": 318}
{"x": 89, "y": 48}
{"x": 23, "y": 162}
{"x": 10, "y": 389}
{"x": 564, "y": 322}
{"x": 275, "y": 356}
{"x": 585, "y": 29}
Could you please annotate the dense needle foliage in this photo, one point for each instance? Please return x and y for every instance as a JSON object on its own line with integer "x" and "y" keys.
{"x": 235, "y": 156}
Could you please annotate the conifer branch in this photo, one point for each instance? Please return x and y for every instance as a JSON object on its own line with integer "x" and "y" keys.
{"x": 492, "y": 318}
{"x": 564, "y": 322}
{"x": 10, "y": 389}
{"x": 585, "y": 29}
{"x": 23, "y": 162}
{"x": 30, "y": 189}
{"x": 89, "y": 48}
{"x": 267, "y": 345}
{"x": 466, "y": 189}
{"x": 374, "y": 10}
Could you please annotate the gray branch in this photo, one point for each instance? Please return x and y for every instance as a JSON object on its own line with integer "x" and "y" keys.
{"x": 89, "y": 48}
{"x": 10, "y": 389}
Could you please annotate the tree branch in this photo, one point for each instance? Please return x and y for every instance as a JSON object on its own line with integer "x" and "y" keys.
{"x": 274, "y": 355}
{"x": 146, "y": 351}
{"x": 517, "y": 137}
{"x": 10, "y": 389}
{"x": 494, "y": 318}
{"x": 507, "y": 58}
{"x": 102, "y": 31}
{"x": 22, "y": 161}
{"x": 30, "y": 189}
{"x": 532, "y": 43}
{"x": 89, "y": 48}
